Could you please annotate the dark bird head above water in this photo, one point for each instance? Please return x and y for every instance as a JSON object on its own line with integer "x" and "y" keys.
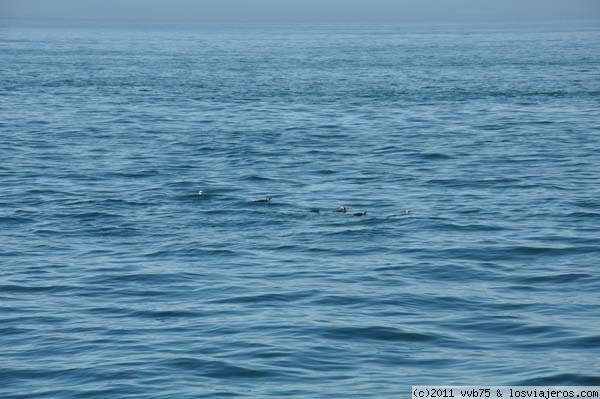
{"x": 364, "y": 213}
{"x": 267, "y": 199}
{"x": 407, "y": 212}
{"x": 341, "y": 209}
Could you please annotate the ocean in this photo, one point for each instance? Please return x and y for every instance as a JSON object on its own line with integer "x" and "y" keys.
{"x": 117, "y": 280}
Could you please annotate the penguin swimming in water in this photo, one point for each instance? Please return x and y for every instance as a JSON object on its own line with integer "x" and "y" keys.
{"x": 363, "y": 213}
{"x": 407, "y": 212}
{"x": 200, "y": 193}
{"x": 341, "y": 209}
{"x": 268, "y": 199}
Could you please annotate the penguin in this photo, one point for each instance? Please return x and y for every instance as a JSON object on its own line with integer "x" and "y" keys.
{"x": 267, "y": 199}
{"x": 341, "y": 209}
{"x": 363, "y": 213}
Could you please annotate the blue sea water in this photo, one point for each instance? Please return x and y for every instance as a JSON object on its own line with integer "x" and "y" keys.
{"x": 118, "y": 281}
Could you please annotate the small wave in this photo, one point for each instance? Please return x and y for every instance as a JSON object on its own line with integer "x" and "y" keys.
{"x": 93, "y": 215}
{"x": 509, "y": 252}
{"x": 192, "y": 252}
{"x": 44, "y": 373}
{"x": 53, "y": 232}
{"x": 434, "y": 156}
{"x": 562, "y": 379}
{"x": 512, "y": 328}
{"x": 588, "y": 203}
{"x": 523, "y": 288}
{"x": 257, "y": 178}
{"x": 113, "y": 231}
{"x": 109, "y": 202}
{"x": 24, "y": 289}
{"x": 584, "y": 215}
{"x": 531, "y": 250}
{"x": 15, "y": 219}
{"x": 8, "y": 331}
{"x": 589, "y": 342}
{"x": 341, "y": 300}
{"x": 389, "y": 149}
{"x": 557, "y": 278}
{"x": 349, "y": 232}
{"x": 467, "y": 227}
{"x": 265, "y": 298}
{"x": 48, "y": 191}
{"x": 215, "y": 369}
{"x": 146, "y": 279}
{"x": 167, "y": 314}
{"x": 377, "y": 333}
{"x": 135, "y": 174}
{"x": 326, "y": 172}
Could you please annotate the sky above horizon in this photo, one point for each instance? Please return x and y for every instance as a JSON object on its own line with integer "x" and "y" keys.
{"x": 305, "y": 10}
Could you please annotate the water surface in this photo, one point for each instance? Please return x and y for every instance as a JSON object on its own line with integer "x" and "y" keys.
{"x": 116, "y": 280}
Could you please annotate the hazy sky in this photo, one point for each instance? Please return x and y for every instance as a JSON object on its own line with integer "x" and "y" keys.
{"x": 306, "y": 10}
